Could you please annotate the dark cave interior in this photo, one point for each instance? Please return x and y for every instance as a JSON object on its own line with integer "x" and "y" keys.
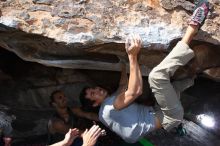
{"x": 20, "y": 78}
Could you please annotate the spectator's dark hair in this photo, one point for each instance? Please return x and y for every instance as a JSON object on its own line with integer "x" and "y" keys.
{"x": 52, "y": 96}
{"x": 83, "y": 100}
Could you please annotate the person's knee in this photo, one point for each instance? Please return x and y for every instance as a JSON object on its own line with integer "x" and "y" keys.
{"x": 153, "y": 77}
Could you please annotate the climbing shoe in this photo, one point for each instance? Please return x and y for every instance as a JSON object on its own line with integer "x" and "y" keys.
{"x": 180, "y": 131}
{"x": 200, "y": 13}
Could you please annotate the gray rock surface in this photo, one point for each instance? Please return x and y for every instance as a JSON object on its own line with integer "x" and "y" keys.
{"x": 90, "y": 34}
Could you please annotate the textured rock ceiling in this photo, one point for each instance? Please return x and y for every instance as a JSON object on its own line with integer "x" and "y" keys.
{"x": 90, "y": 34}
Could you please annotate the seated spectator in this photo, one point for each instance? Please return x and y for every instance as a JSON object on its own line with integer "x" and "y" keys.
{"x": 65, "y": 117}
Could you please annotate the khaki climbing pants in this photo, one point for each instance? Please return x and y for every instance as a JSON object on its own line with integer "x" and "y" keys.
{"x": 166, "y": 93}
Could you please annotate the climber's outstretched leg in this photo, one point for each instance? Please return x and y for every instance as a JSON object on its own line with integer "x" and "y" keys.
{"x": 159, "y": 78}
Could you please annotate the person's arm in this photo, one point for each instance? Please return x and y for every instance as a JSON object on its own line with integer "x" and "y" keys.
{"x": 69, "y": 138}
{"x": 135, "y": 83}
{"x": 91, "y": 136}
{"x": 88, "y": 115}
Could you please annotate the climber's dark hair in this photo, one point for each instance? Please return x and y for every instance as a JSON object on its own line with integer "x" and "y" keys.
{"x": 86, "y": 103}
